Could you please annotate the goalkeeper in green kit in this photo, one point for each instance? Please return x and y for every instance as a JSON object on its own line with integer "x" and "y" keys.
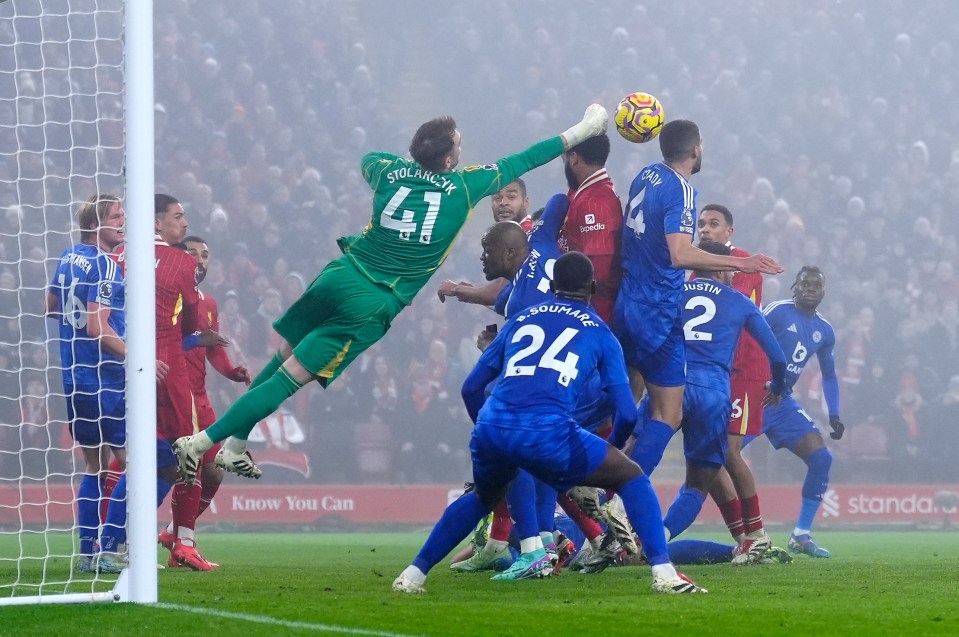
{"x": 419, "y": 207}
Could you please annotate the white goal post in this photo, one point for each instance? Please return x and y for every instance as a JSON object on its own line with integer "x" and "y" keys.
{"x": 76, "y": 119}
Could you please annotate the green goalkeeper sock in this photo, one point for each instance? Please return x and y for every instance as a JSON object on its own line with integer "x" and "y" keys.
{"x": 252, "y": 407}
{"x": 267, "y": 372}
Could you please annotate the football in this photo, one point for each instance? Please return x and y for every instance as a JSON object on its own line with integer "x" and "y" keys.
{"x": 639, "y": 117}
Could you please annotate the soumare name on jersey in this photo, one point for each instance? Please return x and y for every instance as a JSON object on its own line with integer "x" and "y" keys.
{"x": 584, "y": 317}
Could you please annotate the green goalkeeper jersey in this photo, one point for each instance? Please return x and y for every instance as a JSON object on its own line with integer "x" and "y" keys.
{"x": 418, "y": 213}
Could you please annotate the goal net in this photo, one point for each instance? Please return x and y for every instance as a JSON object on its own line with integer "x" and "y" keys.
{"x": 61, "y": 141}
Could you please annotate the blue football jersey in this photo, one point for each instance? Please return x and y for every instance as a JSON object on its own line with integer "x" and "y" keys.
{"x": 714, "y": 316}
{"x": 530, "y": 285}
{"x": 545, "y": 356}
{"x": 86, "y": 274}
{"x": 661, "y": 202}
{"x": 801, "y": 336}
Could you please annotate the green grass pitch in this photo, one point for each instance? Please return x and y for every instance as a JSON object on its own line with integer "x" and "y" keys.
{"x": 902, "y": 583}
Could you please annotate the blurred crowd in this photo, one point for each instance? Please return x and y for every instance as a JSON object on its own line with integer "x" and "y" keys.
{"x": 829, "y": 131}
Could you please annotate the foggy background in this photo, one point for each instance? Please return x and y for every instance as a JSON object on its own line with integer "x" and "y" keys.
{"x": 829, "y": 130}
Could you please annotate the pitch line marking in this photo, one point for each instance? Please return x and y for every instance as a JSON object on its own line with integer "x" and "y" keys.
{"x": 273, "y": 621}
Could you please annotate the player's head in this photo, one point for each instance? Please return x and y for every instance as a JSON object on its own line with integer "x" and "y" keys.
{"x": 573, "y": 277}
{"x": 714, "y": 247}
{"x": 169, "y": 219}
{"x": 199, "y": 250}
{"x": 680, "y": 141}
{"x": 510, "y": 202}
{"x": 585, "y": 158}
{"x": 101, "y": 219}
{"x": 436, "y": 145}
{"x": 809, "y": 288}
{"x": 715, "y": 223}
{"x": 505, "y": 247}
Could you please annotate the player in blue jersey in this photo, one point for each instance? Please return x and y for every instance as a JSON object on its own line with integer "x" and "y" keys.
{"x": 657, "y": 247}
{"x": 520, "y": 269}
{"x": 541, "y": 359}
{"x": 714, "y": 316}
{"x": 802, "y": 331}
{"x": 86, "y": 295}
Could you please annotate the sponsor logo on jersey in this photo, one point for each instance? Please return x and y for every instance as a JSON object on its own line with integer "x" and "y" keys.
{"x": 105, "y": 291}
{"x": 590, "y": 219}
{"x": 595, "y": 226}
{"x": 791, "y": 328}
{"x": 687, "y": 218}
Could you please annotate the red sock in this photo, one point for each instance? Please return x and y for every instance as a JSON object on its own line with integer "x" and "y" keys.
{"x": 590, "y": 528}
{"x": 502, "y": 524}
{"x": 752, "y": 518}
{"x": 208, "y": 490}
{"x": 733, "y": 515}
{"x": 106, "y": 490}
{"x": 185, "y": 505}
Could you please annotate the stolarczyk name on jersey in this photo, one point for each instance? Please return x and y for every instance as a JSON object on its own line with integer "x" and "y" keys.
{"x": 406, "y": 172}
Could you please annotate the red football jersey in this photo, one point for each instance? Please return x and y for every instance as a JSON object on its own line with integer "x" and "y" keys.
{"x": 593, "y": 226}
{"x": 207, "y": 319}
{"x": 176, "y": 299}
{"x": 749, "y": 362}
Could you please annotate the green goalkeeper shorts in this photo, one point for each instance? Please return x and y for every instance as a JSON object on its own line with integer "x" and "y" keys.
{"x": 338, "y": 317}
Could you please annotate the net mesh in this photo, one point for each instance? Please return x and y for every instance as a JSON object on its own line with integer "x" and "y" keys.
{"x": 61, "y": 141}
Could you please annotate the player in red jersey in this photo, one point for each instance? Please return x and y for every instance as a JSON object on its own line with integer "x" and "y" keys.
{"x": 177, "y": 302}
{"x": 511, "y": 203}
{"x": 737, "y": 498}
{"x": 191, "y": 501}
{"x": 595, "y": 218}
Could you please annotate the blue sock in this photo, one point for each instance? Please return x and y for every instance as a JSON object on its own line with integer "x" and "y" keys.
{"x": 699, "y": 552}
{"x": 88, "y": 512}
{"x": 457, "y": 521}
{"x": 643, "y": 510}
{"x": 114, "y": 527}
{"x": 545, "y": 506}
{"x": 818, "y": 464}
{"x": 683, "y": 511}
{"x": 521, "y": 498}
{"x": 651, "y": 445}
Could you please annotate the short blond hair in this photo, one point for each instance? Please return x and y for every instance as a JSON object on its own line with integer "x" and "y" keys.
{"x": 92, "y": 211}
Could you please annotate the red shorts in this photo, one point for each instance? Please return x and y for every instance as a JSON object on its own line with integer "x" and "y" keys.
{"x": 747, "y": 416}
{"x": 175, "y": 415}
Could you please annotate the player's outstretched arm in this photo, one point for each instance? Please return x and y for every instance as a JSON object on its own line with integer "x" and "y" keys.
{"x": 466, "y": 292}
{"x": 594, "y": 123}
{"x": 683, "y": 254}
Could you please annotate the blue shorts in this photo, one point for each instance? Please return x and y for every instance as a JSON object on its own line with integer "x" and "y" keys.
{"x": 653, "y": 343}
{"x": 560, "y": 453}
{"x": 97, "y": 416}
{"x": 165, "y": 455}
{"x": 787, "y": 423}
{"x": 705, "y": 422}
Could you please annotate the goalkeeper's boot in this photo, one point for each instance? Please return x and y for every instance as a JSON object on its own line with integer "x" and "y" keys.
{"x": 587, "y": 499}
{"x": 752, "y": 549}
{"x": 404, "y": 584}
{"x": 675, "y": 585}
{"x": 166, "y": 539}
{"x": 528, "y": 565}
{"x": 615, "y": 516}
{"x": 239, "y": 463}
{"x": 188, "y": 555}
{"x": 187, "y": 458}
{"x": 776, "y": 554}
{"x": 485, "y": 561}
{"x": 804, "y": 544}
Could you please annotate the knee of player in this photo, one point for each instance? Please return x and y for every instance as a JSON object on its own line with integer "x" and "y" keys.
{"x": 820, "y": 460}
